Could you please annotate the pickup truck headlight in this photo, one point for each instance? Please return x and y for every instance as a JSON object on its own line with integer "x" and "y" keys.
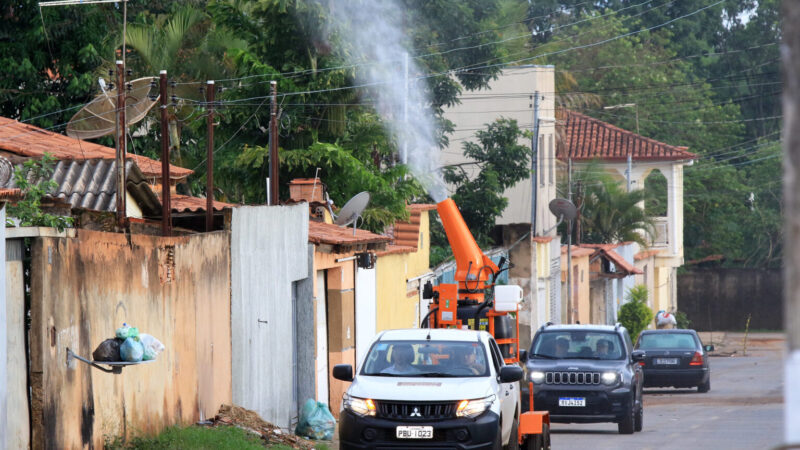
{"x": 359, "y": 406}
{"x": 536, "y": 376}
{"x": 474, "y": 408}
{"x": 609, "y": 378}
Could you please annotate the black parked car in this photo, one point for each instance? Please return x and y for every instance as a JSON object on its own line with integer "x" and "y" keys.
{"x": 587, "y": 373}
{"x": 674, "y": 358}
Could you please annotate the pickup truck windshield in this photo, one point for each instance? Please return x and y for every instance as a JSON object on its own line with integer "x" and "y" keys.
{"x": 577, "y": 344}
{"x": 426, "y": 359}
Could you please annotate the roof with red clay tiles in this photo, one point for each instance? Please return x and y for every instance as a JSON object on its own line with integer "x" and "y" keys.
{"x": 406, "y": 234}
{"x": 328, "y": 233}
{"x": 392, "y": 249}
{"x": 10, "y": 194}
{"x": 27, "y": 140}
{"x": 185, "y": 203}
{"x": 578, "y": 252}
{"x": 646, "y": 254}
{"x": 618, "y": 261}
{"x": 587, "y": 138}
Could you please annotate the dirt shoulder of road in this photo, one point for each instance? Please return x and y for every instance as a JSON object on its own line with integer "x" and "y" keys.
{"x": 733, "y": 344}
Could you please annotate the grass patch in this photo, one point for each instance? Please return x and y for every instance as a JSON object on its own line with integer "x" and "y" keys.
{"x": 199, "y": 438}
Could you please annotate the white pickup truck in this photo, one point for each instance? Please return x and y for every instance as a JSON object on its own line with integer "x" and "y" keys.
{"x": 432, "y": 388}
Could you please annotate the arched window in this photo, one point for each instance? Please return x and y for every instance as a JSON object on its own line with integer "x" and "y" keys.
{"x": 656, "y": 187}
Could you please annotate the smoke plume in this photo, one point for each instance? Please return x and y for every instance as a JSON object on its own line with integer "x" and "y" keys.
{"x": 373, "y": 29}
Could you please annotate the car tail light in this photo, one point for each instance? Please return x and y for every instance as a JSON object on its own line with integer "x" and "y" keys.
{"x": 697, "y": 359}
{"x": 641, "y": 363}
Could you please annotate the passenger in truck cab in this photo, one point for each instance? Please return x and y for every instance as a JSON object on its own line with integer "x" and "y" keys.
{"x": 603, "y": 349}
{"x": 466, "y": 358}
{"x": 562, "y": 347}
{"x": 402, "y": 357}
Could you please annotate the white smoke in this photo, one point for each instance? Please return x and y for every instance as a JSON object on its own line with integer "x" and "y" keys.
{"x": 373, "y": 28}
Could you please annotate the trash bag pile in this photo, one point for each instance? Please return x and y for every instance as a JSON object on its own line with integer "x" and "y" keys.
{"x": 129, "y": 346}
{"x": 316, "y": 421}
{"x": 665, "y": 320}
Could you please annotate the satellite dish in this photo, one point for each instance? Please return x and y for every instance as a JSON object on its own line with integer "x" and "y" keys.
{"x": 98, "y": 117}
{"x": 352, "y": 210}
{"x": 563, "y": 209}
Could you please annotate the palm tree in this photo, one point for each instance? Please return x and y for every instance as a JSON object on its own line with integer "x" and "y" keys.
{"x": 610, "y": 214}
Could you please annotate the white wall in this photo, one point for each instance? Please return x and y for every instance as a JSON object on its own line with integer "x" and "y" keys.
{"x": 366, "y": 311}
{"x": 269, "y": 251}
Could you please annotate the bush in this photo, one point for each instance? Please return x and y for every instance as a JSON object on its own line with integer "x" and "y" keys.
{"x": 635, "y": 315}
{"x": 683, "y": 320}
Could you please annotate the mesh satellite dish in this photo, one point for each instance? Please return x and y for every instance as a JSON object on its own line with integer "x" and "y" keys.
{"x": 352, "y": 210}
{"x": 98, "y": 117}
{"x": 563, "y": 209}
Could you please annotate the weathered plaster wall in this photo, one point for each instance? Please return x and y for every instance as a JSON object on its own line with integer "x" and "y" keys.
{"x": 4, "y": 356}
{"x": 269, "y": 251}
{"x": 177, "y": 289}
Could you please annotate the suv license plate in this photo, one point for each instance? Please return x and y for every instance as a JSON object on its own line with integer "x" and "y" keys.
{"x": 667, "y": 361}
{"x": 572, "y": 401}
{"x": 404, "y": 432}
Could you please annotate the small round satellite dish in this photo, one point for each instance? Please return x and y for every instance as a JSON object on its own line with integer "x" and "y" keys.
{"x": 98, "y": 117}
{"x": 6, "y": 171}
{"x": 563, "y": 207}
{"x": 352, "y": 209}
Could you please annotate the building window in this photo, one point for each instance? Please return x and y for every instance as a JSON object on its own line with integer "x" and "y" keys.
{"x": 543, "y": 158}
{"x": 551, "y": 158}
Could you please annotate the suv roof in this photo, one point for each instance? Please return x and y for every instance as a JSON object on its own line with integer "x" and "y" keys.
{"x": 436, "y": 334}
{"x": 581, "y": 327}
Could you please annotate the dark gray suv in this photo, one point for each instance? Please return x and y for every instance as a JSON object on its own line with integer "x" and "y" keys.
{"x": 587, "y": 373}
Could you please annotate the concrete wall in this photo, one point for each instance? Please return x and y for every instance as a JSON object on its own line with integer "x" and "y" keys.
{"x": 304, "y": 337}
{"x": 17, "y": 422}
{"x": 82, "y": 289}
{"x": 722, "y": 299}
{"x": 4, "y": 356}
{"x": 269, "y": 251}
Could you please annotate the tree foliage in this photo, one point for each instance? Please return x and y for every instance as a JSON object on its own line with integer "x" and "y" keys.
{"x": 635, "y": 315}
{"x": 34, "y": 180}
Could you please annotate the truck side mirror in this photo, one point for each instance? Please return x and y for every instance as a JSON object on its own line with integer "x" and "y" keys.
{"x": 523, "y": 356}
{"x": 343, "y": 372}
{"x": 510, "y": 374}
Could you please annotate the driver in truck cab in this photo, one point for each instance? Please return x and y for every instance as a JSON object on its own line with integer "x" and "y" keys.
{"x": 466, "y": 358}
{"x": 402, "y": 357}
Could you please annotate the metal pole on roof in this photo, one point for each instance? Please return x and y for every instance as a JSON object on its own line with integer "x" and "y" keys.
{"x": 166, "y": 207}
{"x": 122, "y": 132}
{"x": 210, "y": 157}
{"x": 273, "y": 144}
{"x": 534, "y": 160}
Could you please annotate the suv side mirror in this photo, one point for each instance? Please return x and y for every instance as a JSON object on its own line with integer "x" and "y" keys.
{"x": 708, "y": 348}
{"x": 637, "y": 355}
{"x": 510, "y": 374}
{"x": 343, "y": 372}
{"x": 523, "y": 356}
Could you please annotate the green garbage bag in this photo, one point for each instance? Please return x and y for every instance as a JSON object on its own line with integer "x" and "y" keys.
{"x": 316, "y": 421}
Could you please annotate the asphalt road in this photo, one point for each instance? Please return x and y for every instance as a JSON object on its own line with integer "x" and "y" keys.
{"x": 743, "y": 410}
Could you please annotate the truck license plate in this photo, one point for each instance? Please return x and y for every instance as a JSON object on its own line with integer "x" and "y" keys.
{"x": 572, "y": 401}
{"x": 667, "y": 361}
{"x": 404, "y": 432}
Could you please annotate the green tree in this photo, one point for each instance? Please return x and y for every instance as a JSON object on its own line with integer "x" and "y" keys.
{"x": 635, "y": 315}
{"x": 34, "y": 180}
{"x": 610, "y": 214}
{"x": 500, "y": 162}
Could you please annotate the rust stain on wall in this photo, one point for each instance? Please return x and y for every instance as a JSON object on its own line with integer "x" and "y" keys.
{"x": 176, "y": 289}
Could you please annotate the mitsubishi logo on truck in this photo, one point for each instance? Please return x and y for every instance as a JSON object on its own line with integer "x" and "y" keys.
{"x": 415, "y": 413}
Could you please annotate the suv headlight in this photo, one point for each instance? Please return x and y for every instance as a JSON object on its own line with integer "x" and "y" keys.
{"x": 536, "y": 376}
{"x": 359, "y": 406}
{"x": 609, "y": 378}
{"x": 474, "y": 408}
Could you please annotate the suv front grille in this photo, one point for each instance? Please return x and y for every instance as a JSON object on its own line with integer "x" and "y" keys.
{"x": 572, "y": 378}
{"x": 416, "y": 410}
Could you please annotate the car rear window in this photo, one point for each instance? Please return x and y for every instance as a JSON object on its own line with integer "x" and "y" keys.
{"x": 651, "y": 341}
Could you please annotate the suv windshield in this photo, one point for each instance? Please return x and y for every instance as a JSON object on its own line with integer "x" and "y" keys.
{"x": 652, "y": 341}
{"x": 577, "y": 344}
{"x": 426, "y": 359}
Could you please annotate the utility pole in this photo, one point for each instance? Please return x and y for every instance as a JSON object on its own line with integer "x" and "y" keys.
{"x": 210, "y": 156}
{"x": 628, "y": 171}
{"x": 790, "y": 51}
{"x": 166, "y": 207}
{"x": 534, "y": 160}
{"x": 273, "y": 145}
{"x": 122, "y": 132}
{"x": 569, "y": 244}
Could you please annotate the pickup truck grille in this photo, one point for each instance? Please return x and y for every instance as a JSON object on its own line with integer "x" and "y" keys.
{"x": 416, "y": 410}
{"x": 572, "y": 378}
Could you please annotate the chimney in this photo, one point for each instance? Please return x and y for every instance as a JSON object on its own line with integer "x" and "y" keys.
{"x": 307, "y": 189}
